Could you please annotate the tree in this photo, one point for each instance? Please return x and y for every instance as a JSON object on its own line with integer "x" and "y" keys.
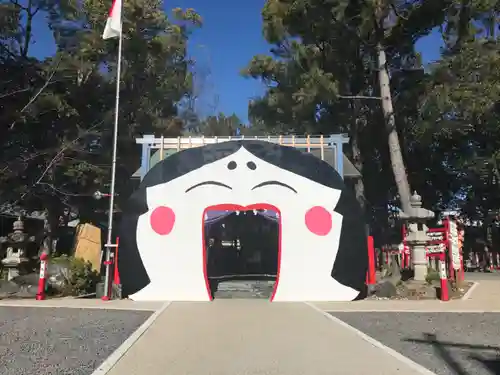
{"x": 462, "y": 106}
{"x": 316, "y": 79}
{"x": 58, "y": 152}
{"x": 219, "y": 126}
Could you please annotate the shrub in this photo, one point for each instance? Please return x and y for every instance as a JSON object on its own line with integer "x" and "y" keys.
{"x": 72, "y": 276}
{"x": 432, "y": 275}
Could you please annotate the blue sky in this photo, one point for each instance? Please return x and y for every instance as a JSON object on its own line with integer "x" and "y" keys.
{"x": 231, "y": 35}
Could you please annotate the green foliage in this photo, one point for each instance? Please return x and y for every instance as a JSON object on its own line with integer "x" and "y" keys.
{"x": 221, "y": 126}
{"x": 82, "y": 279}
{"x": 432, "y": 275}
{"x": 321, "y": 77}
{"x": 57, "y": 113}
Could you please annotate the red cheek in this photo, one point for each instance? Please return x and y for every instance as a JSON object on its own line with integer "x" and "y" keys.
{"x": 162, "y": 220}
{"x": 319, "y": 221}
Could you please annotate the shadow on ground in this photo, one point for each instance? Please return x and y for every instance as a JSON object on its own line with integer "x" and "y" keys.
{"x": 444, "y": 343}
{"x": 490, "y": 362}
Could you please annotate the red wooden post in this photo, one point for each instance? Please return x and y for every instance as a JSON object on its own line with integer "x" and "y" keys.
{"x": 407, "y": 253}
{"x": 116, "y": 278}
{"x": 461, "y": 234}
{"x": 107, "y": 293}
{"x": 462, "y": 270}
{"x": 443, "y": 277}
{"x": 447, "y": 239}
{"x": 40, "y": 295}
{"x": 371, "y": 276}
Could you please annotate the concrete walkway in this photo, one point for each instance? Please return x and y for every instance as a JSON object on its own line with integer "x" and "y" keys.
{"x": 486, "y": 291}
{"x": 79, "y": 303}
{"x": 457, "y": 306}
{"x": 253, "y": 337}
{"x": 484, "y": 297}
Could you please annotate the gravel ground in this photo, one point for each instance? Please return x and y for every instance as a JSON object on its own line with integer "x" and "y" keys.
{"x": 45, "y": 341}
{"x": 445, "y": 343}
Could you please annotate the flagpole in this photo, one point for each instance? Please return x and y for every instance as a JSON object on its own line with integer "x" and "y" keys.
{"x": 109, "y": 243}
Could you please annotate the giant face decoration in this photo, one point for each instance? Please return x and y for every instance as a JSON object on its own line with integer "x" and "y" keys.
{"x": 323, "y": 249}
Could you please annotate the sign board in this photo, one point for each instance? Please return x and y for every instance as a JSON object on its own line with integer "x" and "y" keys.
{"x": 439, "y": 248}
{"x": 434, "y": 249}
{"x": 453, "y": 244}
{"x": 436, "y": 236}
{"x": 88, "y": 245}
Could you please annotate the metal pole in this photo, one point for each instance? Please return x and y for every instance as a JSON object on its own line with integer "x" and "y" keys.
{"x": 113, "y": 170}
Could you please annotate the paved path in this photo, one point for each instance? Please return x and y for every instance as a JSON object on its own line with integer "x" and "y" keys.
{"x": 484, "y": 297}
{"x": 446, "y": 343}
{"x": 478, "y": 276}
{"x": 486, "y": 291}
{"x": 79, "y": 303}
{"x": 257, "y": 337}
{"x": 254, "y": 337}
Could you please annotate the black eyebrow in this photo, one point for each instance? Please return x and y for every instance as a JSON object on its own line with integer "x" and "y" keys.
{"x": 266, "y": 183}
{"x": 209, "y": 183}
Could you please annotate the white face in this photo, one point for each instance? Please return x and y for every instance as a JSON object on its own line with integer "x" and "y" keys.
{"x": 170, "y": 240}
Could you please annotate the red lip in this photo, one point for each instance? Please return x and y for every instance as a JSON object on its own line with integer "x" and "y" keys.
{"x": 237, "y": 207}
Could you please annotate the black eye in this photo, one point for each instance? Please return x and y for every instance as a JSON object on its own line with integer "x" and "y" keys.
{"x": 232, "y": 165}
{"x": 251, "y": 165}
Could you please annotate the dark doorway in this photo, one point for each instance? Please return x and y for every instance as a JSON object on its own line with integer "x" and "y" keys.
{"x": 242, "y": 254}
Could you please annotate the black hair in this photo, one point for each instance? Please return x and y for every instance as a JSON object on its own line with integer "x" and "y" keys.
{"x": 351, "y": 263}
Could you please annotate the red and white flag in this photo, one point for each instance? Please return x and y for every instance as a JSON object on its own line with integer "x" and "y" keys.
{"x": 113, "y": 27}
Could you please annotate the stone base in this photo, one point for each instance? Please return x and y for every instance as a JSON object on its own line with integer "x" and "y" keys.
{"x": 99, "y": 290}
{"x": 116, "y": 291}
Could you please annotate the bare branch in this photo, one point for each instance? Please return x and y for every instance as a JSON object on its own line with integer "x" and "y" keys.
{"x": 397, "y": 12}
{"x": 33, "y": 13}
{"x": 55, "y": 158}
{"x": 82, "y": 161}
{"x": 64, "y": 148}
{"x": 16, "y": 4}
{"x": 61, "y": 191}
{"x": 3, "y": 96}
{"x": 14, "y": 93}
{"x": 47, "y": 82}
{"x": 359, "y": 97}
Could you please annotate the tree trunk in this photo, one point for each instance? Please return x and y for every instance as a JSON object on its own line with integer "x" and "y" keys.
{"x": 356, "y": 128}
{"x": 398, "y": 166}
{"x": 51, "y": 228}
{"x": 359, "y": 186}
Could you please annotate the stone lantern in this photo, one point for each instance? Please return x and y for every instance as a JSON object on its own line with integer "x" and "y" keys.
{"x": 16, "y": 243}
{"x": 417, "y": 237}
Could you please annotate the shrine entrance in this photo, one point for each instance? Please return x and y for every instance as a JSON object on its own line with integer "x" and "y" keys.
{"x": 242, "y": 253}
{"x": 295, "y": 223}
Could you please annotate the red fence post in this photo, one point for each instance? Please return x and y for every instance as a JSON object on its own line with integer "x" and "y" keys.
{"x": 116, "y": 277}
{"x": 461, "y": 234}
{"x": 40, "y": 295}
{"x": 461, "y": 277}
{"x": 107, "y": 293}
{"x": 447, "y": 238}
{"x": 113, "y": 277}
{"x": 443, "y": 277}
{"x": 371, "y": 277}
